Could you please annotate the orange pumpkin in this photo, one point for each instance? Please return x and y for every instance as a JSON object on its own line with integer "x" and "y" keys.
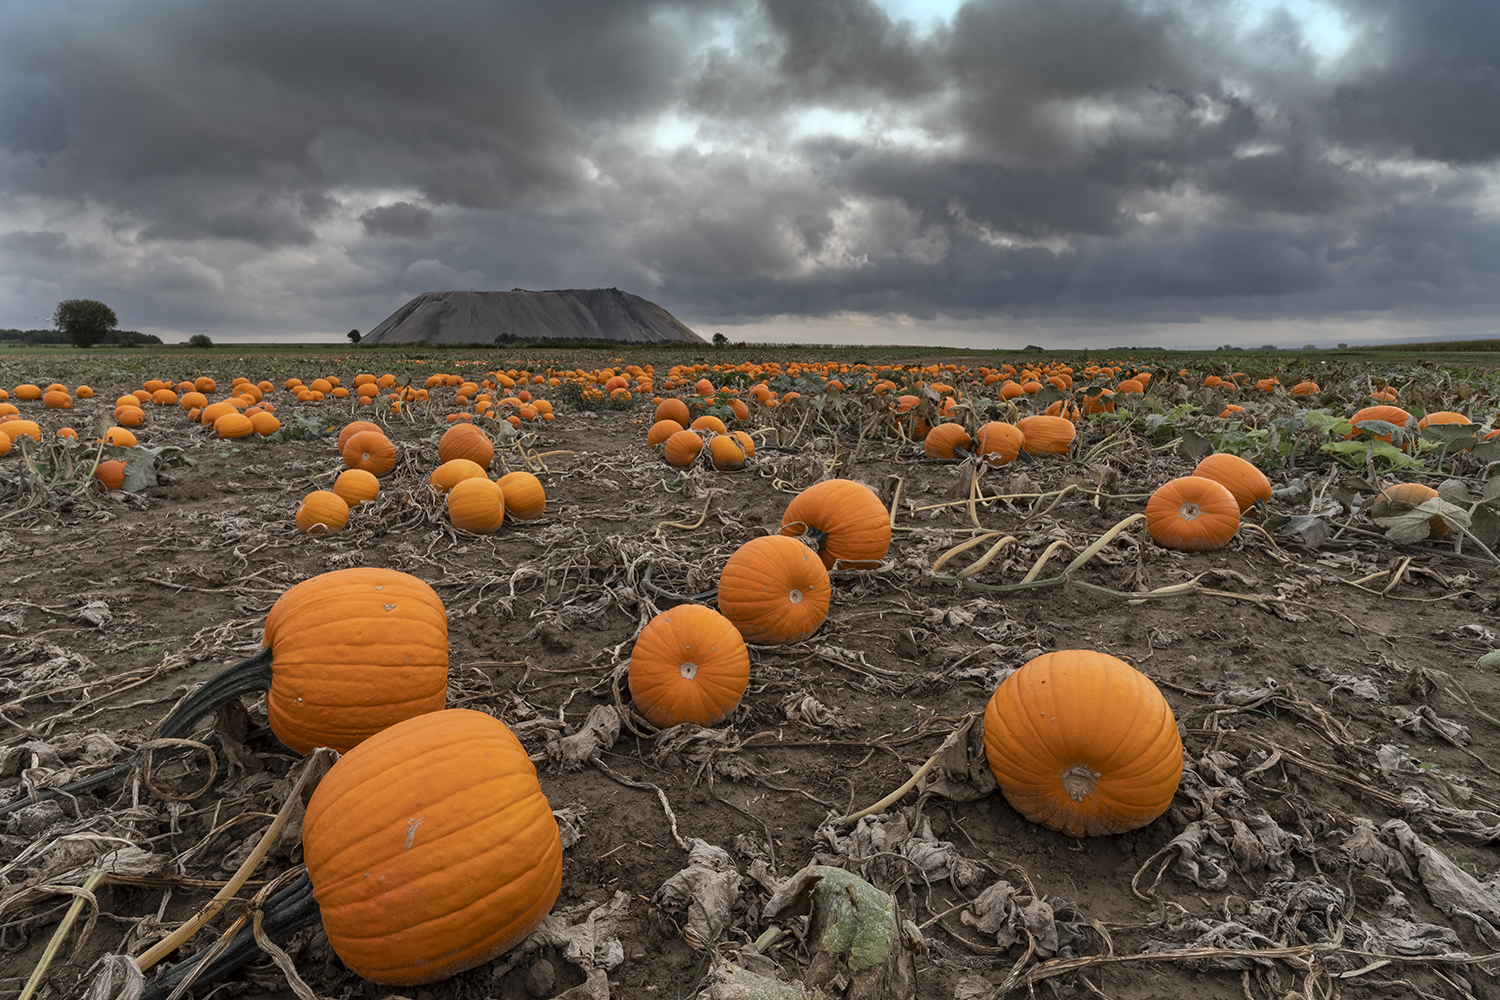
{"x": 356, "y": 486}
{"x": 1404, "y": 496}
{"x": 265, "y": 424}
{"x": 844, "y": 521}
{"x": 1043, "y": 435}
{"x": 234, "y": 425}
{"x": 1083, "y": 743}
{"x": 775, "y": 590}
{"x": 946, "y": 443}
{"x": 1242, "y": 479}
{"x": 999, "y": 442}
{"x": 477, "y": 505}
{"x": 689, "y": 664}
{"x": 729, "y": 452}
{"x": 15, "y": 429}
{"x": 673, "y": 409}
{"x": 708, "y": 422}
{"x": 468, "y": 442}
{"x": 453, "y": 472}
{"x": 322, "y": 511}
{"x": 111, "y": 474}
{"x": 119, "y": 437}
{"x": 682, "y": 447}
{"x": 352, "y": 428}
{"x": 431, "y": 848}
{"x": 661, "y": 430}
{"x": 371, "y": 451}
{"x": 525, "y": 499}
{"x": 1193, "y": 514}
{"x": 1390, "y": 414}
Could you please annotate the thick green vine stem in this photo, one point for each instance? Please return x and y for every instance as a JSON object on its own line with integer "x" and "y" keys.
{"x": 252, "y": 674}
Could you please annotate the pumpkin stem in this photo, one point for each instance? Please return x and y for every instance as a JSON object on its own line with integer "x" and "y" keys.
{"x": 253, "y": 674}
{"x": 813, "y": 538}
{"x": 289, "y": 909}
{"x": 1078, "y": 781}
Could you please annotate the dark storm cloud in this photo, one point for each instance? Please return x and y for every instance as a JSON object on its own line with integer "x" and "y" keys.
{"x": 1055, "y": 158}
{"x": 401, "y": 219}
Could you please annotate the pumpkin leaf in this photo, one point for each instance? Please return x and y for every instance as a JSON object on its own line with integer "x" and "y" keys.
{"x": 1454, "y": 491}
{"x": 1488, "y": 452}
{"x": 731, "y": 982}
{"x": 1411, "y": 526}
{"x": 856, "y": 932}
{"x": 1450, "y": 435}
{"x": 1194, "y": 446}
{"x": 141, "y": 470}
{"x": 1486, "y": 525}
{"x": 1308, "y": 529}
{"x": 1491, "y": 490}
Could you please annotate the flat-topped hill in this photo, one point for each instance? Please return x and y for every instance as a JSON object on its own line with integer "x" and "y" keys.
{"x": 563, "y": 314}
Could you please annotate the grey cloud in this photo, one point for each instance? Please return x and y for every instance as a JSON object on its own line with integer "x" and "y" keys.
{"x": 1099, "y": 158}
{"x": 401, "y": 219}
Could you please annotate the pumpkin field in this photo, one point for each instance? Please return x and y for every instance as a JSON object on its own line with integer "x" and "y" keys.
{"x": 683, "y": 672}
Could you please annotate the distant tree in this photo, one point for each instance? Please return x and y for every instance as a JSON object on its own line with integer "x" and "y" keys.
{"x": 1309, "y": 347}
{"x": 200, "y": 340}
{"x": 1268, "y": 347}
{"x": 84, "y": 321}
{"x": 1343, "y": 346}
{"x": 353, "y": 336}
{"x": 1031, "y": 347}
{"x": 720, "y": 340}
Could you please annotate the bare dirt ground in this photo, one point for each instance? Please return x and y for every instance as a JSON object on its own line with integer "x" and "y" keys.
{"x": 1339, "y": 803}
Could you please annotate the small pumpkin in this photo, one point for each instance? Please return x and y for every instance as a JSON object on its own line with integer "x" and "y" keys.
{"x": 708, "y": 422}
{"x": 1241, "y": 478}
{"x": 234, "y": 425}
{"x": 18, "y": 428}
{"x": 1083, "y": 743}
{"x": 1390, "y": 414}
{"x": 110, "y": 474}
{"x": 673, "y": 409}
{"x": 57, "y": 400}
{"x": 661, "y": 430}
{"x": 119, "y": 437}
{"x": 775, "y": 590}
{"x": 476, "y": 505}
{"x": 356, "y": 486}
{"x": 1403, "y": 497}
{"x": 371, "y": 451}
{"x": 322, "y": 511}
{"x": 843, "y": 521}
{"x": 682, "y": 448}
{"x": 1193, "y": 514}
{"x": 5, "y": 445}
{"x": 431, "y": 848}
{"x": 265, "y": 424}
{"x": 689, "y": 664}
{"x": 468, "y": 442}
{"x": 525, "y": 499}
{"x": 1044, "y": 435}
{"x": 352, "y": 428}
{"x": 946, "y": 442}
{"x": 999, "y": 442}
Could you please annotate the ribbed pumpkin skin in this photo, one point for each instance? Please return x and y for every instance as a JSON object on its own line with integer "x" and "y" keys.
{"x": 265, "y": 424}
{"x": 371, "y": 451}
{"x": 322, "y": 511}
{"x": 1042, "y": 435}
{"x": 1076, "y": 709}
{"x": 466, "y": 441}
{"x": 943, "y": 439}
{"x": 356, "y": 486}
{"x": 689, "y": 664}
{"x": 525, "y": 499}
{"x": 999, "y": 442}
{"x": 431, "y": 849}
{"x": 454, "y": 471}
{"x": 354, "y": 427}
{"x": 663, "y": 429}
{"x": 673, "y": 409}
{"x": 682, "y": 447}
{"x": 234, "y": 425}
{"x": 1242, "y": 479}
{"x": 775, "y": 590}
{"x": 477, "y": 505}
{"x": 728, "y": 452}
{"x": 354, "y": 651}
{"x": 111, "y": 474}
{"x": 856, "y": 523}
{"x": 1192, "y": 514}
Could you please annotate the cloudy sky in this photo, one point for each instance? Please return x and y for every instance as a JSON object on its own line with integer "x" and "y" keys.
{"x": 988, "y": 173}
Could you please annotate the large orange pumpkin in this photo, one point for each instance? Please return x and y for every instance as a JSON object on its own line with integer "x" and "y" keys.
{"x": 663, "y": 429}
{"x": 673, "y": 409}
{"x": 454, "y": 471}
{"x": 843, "y": 520}
{"x": 682, "y": 447}
{"x": 1083, "y": 743}
{"x": 354, "y": 427}
{"x": 775, "y": 590}
{"x": 525, "y": 499}
{"x": 999, "y": 442}
{"x": 1242, "y": 479}
{"x": 1390, "y": 414}
{"x": 1404, "y": 496}
{"x": 946, "y": 442}
{"x": 729, "y": 452}
{"x": 322, "y": 511}
{"x": 689, "y": 664}
{"x": 1193, "y": 514}
{"x": 476, "y": 505}
{"x": 468, "y": 442}
{"x": 371, "y": 451}
{"x": 356, "y": 486}
{"x": 1043, "y": 435}
{"x": 431, "y": 849}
